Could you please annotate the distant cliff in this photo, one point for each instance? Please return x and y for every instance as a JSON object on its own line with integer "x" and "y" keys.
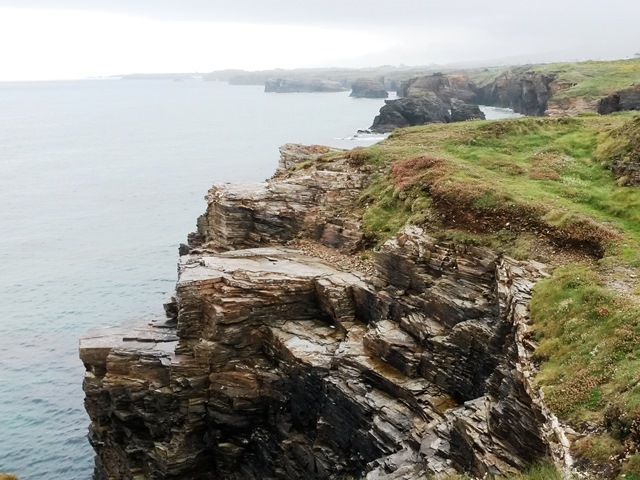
{"x": 534, "y": 90}
{"x": 284, "y": 85}
{"x": 369, "y": 88}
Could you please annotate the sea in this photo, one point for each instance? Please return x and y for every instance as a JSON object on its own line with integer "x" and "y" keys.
{"x": 100, "y": 181}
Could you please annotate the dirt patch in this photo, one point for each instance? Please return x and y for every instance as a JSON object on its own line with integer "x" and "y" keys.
{"x": 352, "y": 263}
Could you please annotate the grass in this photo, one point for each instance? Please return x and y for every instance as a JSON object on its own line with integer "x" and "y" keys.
{"x": 539, "y": 471}
{"x": 517, "y": 185}
{"x": 8, "y": 476}
{"x": 533, "y": 174}
{"x": 582, "y": 80}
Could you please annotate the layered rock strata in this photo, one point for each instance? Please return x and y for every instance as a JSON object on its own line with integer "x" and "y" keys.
{"x": 277, "y": 365}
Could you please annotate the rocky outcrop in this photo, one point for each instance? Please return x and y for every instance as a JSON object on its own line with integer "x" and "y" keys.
{"x": 522, "y": 90}
{"x": 274, "y": 363}
{"x": 628, "y": 99}
{"x": 405, "y": 112}
{"x": 369, "y": 88}
{"x": 461, "y": 111}
{"x": 285, "y": 85}
{"x": 421, "y": 110}
{"x": 316, "y": 203}
{"x": 445, "y": 87}
{"x": 435, "y": 98}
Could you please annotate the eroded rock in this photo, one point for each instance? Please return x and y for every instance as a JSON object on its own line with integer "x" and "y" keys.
{"x": 276, "y": 364}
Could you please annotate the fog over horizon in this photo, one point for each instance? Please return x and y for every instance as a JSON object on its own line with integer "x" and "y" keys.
{"x": 54, "y": 39}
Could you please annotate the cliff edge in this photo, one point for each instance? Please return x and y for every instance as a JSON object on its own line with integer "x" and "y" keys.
{"x": 294, "y": 349}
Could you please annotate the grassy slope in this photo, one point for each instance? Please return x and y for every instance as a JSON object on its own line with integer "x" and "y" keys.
{"x": 536, "y": 187}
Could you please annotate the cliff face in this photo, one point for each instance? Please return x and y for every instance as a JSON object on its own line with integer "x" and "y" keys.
{"x": 627, "y": 99}
{"x": 369, "y": 88}
{"x": 286, "y": 356}
{"x": 523, "y": 91}
{"x": 436, "y": 98}
{"x": 285, "y": 85}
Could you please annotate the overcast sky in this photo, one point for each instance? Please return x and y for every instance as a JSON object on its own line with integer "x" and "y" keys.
{"x": 47, "y": 39}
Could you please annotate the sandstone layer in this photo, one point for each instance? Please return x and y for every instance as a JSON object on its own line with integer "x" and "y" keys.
{"x": 277, "y": 364}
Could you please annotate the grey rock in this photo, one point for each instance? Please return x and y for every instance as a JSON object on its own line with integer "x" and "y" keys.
{"x": 445, "y": 87}
{"x": 461, "y": 111}
{"x": 627, "y": 99}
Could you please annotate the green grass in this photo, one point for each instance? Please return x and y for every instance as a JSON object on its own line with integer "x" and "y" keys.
{"x": 535, "y": 170}
{"x": 515, "y": 185}
{"x": 539, "y": 471}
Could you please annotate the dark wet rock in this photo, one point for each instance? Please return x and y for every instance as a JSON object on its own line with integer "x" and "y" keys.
{"x": 524, "y": 91}
{"x": 405, "y": 112}
{"x": 628, "y": 99}
{"x": 461, "y": 111}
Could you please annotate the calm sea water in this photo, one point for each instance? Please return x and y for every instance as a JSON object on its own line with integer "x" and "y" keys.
{"x": 100, "y": 180}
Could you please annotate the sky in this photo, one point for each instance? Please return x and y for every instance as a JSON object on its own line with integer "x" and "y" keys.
{"x": 60, "y": 39}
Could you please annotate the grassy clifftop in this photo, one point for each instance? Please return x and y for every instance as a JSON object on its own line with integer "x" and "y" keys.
{"x": 576, "y": 85}
{"x": 593, "y": 80}
{"x": 541, "y": 188}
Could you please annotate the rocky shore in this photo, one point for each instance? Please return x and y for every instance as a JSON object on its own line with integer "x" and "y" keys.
{"x": 291, "y": 351}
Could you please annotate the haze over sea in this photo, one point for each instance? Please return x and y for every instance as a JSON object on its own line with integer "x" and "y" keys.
{"x": 100, "y": 180}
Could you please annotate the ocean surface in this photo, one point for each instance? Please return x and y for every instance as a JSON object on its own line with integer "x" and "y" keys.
{"x": 100, "y": 180}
